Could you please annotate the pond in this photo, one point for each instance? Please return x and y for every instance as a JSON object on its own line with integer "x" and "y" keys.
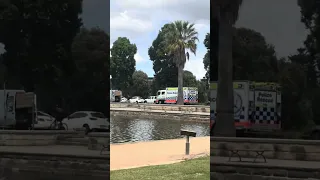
{"x": 132, "y": 130}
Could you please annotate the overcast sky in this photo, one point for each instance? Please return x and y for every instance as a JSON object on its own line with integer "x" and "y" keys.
{"x": 277, "y": 20}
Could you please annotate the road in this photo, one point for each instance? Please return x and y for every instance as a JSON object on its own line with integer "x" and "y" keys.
{"x": 150, "y": 104}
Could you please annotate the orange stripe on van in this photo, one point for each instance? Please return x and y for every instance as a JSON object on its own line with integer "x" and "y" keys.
{"x": 246, "y": 124}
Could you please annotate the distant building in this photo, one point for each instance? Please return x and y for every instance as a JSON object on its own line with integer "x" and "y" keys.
{"x": 150, "y": 79}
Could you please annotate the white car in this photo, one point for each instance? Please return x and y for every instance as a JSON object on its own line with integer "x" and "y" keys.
{"x": 90, "y": 120}
{"x": 43, "y": 120}
{"x": 151, "y": 99}
{"x": 124, "y": 100}
{"x": 137, "y": 99}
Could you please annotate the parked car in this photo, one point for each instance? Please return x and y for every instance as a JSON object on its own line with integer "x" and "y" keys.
{"x": 124, "y": 100}
{"x": 90, "y": 120}
{"x": 43, "y": 120}
{"x": 151, "y": 99}
{"x": 137, "y": 99}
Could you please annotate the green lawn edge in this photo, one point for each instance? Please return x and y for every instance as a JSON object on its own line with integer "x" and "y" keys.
{"x": 198, "y": 168}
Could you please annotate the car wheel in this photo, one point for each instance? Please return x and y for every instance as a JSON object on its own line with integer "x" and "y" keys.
{"x": 145, "y": 101}
{"x": 87, "y": 128}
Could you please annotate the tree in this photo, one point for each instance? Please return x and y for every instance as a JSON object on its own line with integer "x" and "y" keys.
{"x": 253, "y": 58}
{"x": 122, "y": 63}
{"x": 37, "y": 37}
{"x": 140, "y": 83}
{"x": 189, "y": 80}
{"x": 166, "y": 72}
{"x": 226, "y": 11}
{"x": 180, "y": 39}
{"x": 87, "y": 88}
{"x": 206, "y": 59}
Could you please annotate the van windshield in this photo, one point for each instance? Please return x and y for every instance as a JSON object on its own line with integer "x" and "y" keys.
{"x": 158, "y": 93}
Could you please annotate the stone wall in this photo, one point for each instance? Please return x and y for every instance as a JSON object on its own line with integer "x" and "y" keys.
{"x": 184, "y": 108}
{"x": 238, "y": 172}
{"x": 31, "y": 137}
{"x": 161, "y": 115}
{"x": 287, "y": 149}
{"x": 15, "y": 166}
{"x": 98, "y": 140}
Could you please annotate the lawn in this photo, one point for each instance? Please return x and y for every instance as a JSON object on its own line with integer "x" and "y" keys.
{"x": 190, "y": 169}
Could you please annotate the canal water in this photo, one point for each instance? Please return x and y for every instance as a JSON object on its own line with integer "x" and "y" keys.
{"x": 132, "y": 130}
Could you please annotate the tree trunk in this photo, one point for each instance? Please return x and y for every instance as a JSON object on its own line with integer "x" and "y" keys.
{"x": 225, "y": 114}
{"x": 180, "y": 99}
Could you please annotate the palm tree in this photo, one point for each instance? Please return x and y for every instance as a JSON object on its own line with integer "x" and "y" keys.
{"x": 181, "y": 38}
{"x": 226, "y": 12}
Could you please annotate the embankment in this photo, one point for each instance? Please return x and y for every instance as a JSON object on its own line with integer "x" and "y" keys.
{"x": 53, "y": 155}
{"x": 287, "y": 159}
{"x": 160, "y": 114}
{"x": 163, "y": 107}
{"x": 272, "y": 170}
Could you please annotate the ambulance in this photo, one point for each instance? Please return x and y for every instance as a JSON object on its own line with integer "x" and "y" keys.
{"x": 257, "y": 105}
{"x": 170, "y": 95}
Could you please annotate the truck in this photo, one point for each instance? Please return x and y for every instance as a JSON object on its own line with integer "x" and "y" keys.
{"x": 170, "y": 95}
{"x": 257, "y": 105}
{"x": 17, "y": 109}
{"x": 115, "y": 95}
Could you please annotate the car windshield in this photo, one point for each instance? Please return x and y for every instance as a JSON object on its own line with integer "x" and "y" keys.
{"x": 97, "y": 115}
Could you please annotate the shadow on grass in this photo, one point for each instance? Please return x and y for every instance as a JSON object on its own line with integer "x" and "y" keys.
{"x": 198, "y": 168}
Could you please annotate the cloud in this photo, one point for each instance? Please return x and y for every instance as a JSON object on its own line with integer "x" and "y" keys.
{"x": 196, "y": 67}
{"x": 139, "y": 58}
{"x": 190, "y": 9}
{"x": 126, "y": 23}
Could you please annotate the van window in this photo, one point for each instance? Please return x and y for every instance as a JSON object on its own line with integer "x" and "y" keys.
{"x": 158, "y": 93}
{"x": 162, "y": 93}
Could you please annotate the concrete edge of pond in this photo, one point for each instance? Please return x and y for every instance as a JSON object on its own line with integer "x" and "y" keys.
{"x": 177, "y": 115}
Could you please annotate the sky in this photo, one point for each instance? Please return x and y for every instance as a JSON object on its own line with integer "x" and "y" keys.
{"x": 140, "y": 21}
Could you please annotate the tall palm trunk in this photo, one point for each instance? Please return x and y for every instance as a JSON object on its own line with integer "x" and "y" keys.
{"x": 180, "y": 100}
{"x": 225, "y": 118}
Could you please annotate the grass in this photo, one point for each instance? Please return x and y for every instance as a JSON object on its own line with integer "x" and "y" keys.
{"x": 190, "y": 169}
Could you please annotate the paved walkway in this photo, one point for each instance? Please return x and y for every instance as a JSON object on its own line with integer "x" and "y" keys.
{"x": 130, "y": 155}
{"x": 159, "y": 111}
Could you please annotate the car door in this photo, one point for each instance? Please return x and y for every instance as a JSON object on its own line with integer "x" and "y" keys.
{"x": 76, "y": 120}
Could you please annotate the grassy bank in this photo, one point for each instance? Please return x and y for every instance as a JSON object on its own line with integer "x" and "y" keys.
{"x": 191, "y": 169}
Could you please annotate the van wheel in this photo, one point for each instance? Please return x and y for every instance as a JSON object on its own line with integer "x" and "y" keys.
{"x": 145, "y": 101}
{"x": 87, "y": 128}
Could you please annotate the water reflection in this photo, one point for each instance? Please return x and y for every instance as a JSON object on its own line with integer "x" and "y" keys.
{"x": 132, "y": 130}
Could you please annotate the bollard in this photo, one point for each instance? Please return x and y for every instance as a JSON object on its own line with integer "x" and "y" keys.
{"x": 188, "y": 134}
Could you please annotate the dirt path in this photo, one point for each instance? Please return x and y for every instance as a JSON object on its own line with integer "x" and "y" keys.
{"x": 124, "y": 156}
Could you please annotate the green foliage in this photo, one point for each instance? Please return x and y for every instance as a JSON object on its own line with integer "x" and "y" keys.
{"x": 140, "y": 85}
{"x": 189, "y": 80}
{"x": 166, "y": 72}
{"x": 206, "y": 59}
{"x": 122, "y": 64}
{"x": 89, "y": 84}
{"x": 38, "y": 49}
